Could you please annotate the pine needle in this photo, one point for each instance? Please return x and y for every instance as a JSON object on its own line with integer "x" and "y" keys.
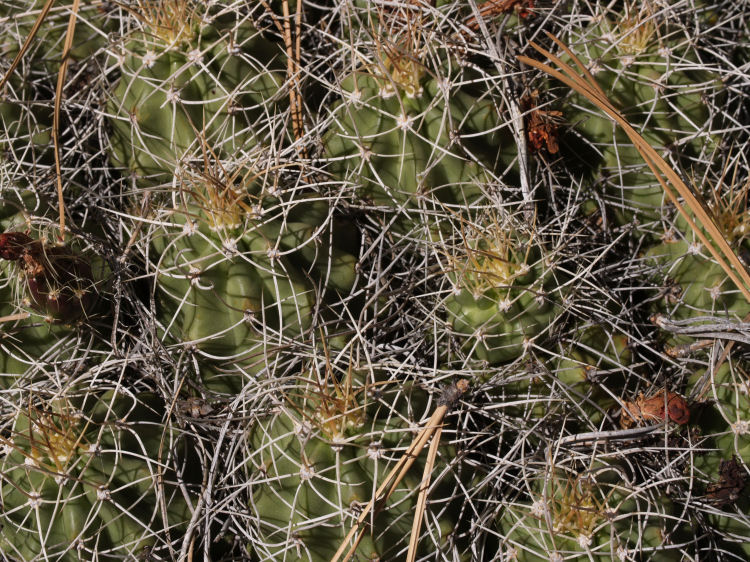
{"x": 56, "y": 116}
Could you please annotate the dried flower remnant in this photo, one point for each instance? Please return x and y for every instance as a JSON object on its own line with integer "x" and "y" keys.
{"x": 59, "y": 282}
{"x": 732, "y": 480}
{"x": 541, "y": 125}
{"x": 652, "y": 409}
{"x": 491, "y": 8}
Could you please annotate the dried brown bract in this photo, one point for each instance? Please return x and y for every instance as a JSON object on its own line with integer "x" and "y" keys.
{"x": 541, "y": 125}
{"x": 732, "y": 480}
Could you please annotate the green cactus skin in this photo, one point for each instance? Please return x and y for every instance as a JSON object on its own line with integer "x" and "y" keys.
{"x": 699, "y": 284}
{"x": 595, "y": 350}
{"x": 92, "y": 27}
{"x": 82, "y": 478}
{"x": 572, "y": 389}
{"x": 651, "y": 81}
{"x": 502, "y": 300}
{"x": 245, "y": 291}
{"x": 402, "y": 150}
{"x": 328, "y": 450}
{"x": 595, "y": 516}
{"x": 206, "y": 88}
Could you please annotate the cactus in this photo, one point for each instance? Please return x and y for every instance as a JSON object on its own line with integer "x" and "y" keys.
{"x": 411, "y": 139}
{"x": 688, "y": 282}
{"x": 590, "y": 369}
{"x": 28, "y": 130}
{"x": 652, "y": 74}
{"x": 396, "y": 147}
{"x": 507, "y": 290}
{"x": 728, "y": 420}
{"x": 235, "y": 280}
{"x": 190, "y": 79}
{"x": 84, "y": 476}
{"x": 595, "y": 515}
{"x": 316, "y": 213}
{"x": 323, "y": 453}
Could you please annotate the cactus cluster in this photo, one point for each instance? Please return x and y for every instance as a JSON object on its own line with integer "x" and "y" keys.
{"x": 300, "y": 268}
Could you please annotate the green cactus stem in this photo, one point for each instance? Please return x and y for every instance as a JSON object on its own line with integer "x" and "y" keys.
{"x": 323, "y": 453}
{"x": 240, "y": 270}
{"x": 191, "y": 80}
{"x": 507, "y": 291}
{"x": 653, "y": 75}
{"x": 90, "y": 476}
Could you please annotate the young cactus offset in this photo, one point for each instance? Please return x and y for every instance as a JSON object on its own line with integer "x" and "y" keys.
{"x": 91, "y": 475}
{"x": 506, "y": 289}
{"x": 320, "y": 456}
{"x": 191, "y": 78}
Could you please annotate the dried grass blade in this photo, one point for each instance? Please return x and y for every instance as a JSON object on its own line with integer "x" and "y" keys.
{"x": 422, "y": 500}
{"x": 56, "y": 116}
{"x": 589, "y": 77}
{"x": 25, "y": 47}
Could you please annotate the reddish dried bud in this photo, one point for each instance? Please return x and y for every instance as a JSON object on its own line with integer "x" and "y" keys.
{"x": 60, "y": 283}
{"x": 13, "y": 245}
{"x": 677, "y": 408}
{"x": 652, "y": 409}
